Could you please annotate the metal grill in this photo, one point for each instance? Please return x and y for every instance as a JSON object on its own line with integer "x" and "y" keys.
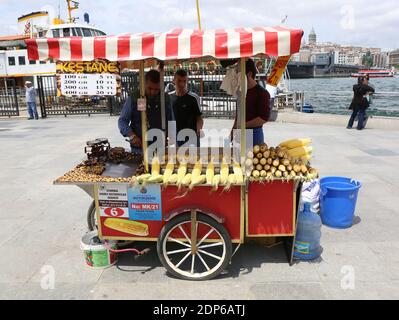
{"x": 9, "y": 100}
{"x": 52, "y": 104}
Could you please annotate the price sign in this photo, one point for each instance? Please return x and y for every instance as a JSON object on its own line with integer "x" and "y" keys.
{"x": 88, "y": 84}
{"x": 88, "y": 78}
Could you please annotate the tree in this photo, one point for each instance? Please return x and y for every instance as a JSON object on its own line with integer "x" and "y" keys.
{"x": 368, "y": 60}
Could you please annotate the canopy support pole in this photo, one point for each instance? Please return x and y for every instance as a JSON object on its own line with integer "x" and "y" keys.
{"x": 243, "y": 145}
{"x": 143, "y": 117}
{"x": 199, "y": 16}
{"x": 243, "y": 121}
{"x": 163, "y": 107}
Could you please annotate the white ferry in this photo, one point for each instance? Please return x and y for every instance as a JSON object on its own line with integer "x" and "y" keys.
{"x": 15, "y": 68}
{"x": 375, "y": 73}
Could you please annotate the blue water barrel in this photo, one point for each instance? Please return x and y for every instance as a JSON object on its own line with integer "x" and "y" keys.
{"x": 308, "y": 234}
{"x": 338, "y": 201}
{"x": 307, "y": 108}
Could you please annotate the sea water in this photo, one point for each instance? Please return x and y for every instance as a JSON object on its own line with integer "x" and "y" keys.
{"x": 334, "y": 95}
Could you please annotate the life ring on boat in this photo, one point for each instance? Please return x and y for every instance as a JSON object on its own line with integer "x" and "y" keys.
{"x": 177, "y": 66}
{"x": 259, "y": 66}
{"x": 211, "y": 67}
{"x": 194, "y": 66}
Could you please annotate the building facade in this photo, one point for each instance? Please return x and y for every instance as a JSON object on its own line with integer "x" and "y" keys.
{"x": 394, "y": 59}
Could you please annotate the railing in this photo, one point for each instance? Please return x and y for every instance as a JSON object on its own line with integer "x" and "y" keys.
{"x": 9, "y": 101}
{"x": 52, "y": 104}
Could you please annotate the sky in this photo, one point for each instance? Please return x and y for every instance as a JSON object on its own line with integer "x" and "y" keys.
{"x": 366, "y": 23}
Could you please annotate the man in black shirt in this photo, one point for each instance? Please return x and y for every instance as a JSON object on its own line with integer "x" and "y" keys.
{"x": 186, "y": 108}
{"x": 360, "y": 103}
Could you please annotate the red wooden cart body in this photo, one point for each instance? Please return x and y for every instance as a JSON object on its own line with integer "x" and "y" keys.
{"x": 270, "y": 210}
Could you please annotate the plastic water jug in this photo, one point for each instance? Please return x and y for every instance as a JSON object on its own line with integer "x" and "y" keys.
{"x": 308, "y": 234}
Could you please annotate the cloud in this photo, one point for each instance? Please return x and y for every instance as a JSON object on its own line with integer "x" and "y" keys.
{"x": 374, "y": 24}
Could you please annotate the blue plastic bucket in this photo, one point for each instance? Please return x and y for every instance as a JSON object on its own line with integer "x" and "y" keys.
{"x": 338, "y": 201}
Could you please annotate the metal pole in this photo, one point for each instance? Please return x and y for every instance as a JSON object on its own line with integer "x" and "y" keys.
{"x": 143, "y": 117}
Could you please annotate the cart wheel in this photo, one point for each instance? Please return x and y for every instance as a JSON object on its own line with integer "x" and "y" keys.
{"x": 91, "y": 217}
{"x": 212, "y": 251}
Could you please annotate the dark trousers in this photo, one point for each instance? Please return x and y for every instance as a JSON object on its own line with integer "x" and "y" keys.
{"x": 361, "y": 114}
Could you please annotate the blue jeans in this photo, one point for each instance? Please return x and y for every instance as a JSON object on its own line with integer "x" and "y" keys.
{"x": 32, "y": 110}
{"x": 258, "y": 136}
{"x": 361, "y": 114}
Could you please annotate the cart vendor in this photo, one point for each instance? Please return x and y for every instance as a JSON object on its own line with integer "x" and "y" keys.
{"x": 257, "y": 105}
{"x": 186, "y": 108}
{"x": 129, "y": 122}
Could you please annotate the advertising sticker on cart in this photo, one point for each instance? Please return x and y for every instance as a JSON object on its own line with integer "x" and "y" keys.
{"x": 113, "y": 201}
{"x": 145, "y": 203}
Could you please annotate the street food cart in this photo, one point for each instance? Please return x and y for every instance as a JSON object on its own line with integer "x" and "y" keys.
{"x": 194, "y": 228}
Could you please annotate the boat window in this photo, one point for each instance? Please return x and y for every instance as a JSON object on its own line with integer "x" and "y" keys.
{"x": 74, "y": 32}
{"x": 32, "y": 61}
{"x": 100, "y": 33}
{"x": 66, "y": 32}
{"x": 56, "y": 33}
{"x": 79, "y": 32}
{"x": 21, "y": 60}
{"x": 87, "y": 32}
{"x": 11, "y": 61}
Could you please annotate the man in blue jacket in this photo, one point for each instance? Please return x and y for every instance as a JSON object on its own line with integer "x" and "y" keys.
{"x": 129, "y": 122}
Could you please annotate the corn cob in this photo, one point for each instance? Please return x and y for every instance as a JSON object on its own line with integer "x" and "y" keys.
{"x": 187, "y": 179}
{"x": 173, "y": 178}
{"x": 300, "y": 152}
{"x": 155, "y": 179}
{"x": 224, "y": 172}
{"x": 238, "y": 173}
{"x": 294, "y": 143}
{"x": 197, "y": 170}
{"x": 231, "y": 180}
{"x": 198, "y": 180}
{"x": 142, "y": 178}
{"x": 168, "y": 172}
{"x": 215, "y": 182}
{"x": 181, "y": 172}
{"x": 210, "y": 172}
{"x": 155, "y": 166}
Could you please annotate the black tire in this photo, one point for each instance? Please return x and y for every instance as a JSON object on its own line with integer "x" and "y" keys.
{"x": 227, "y": 248}
{"x": 91, "y": 217}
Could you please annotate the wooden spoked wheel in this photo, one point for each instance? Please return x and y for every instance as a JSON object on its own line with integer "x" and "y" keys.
{"x": 92, "y": 217}
{"x": 199, "y": 255}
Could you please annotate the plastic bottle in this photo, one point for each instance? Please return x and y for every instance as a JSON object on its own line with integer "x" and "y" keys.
{"x": 308, "y": 234}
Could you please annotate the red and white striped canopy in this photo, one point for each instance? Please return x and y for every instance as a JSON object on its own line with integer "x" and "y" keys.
{"x": 173, "y": 45}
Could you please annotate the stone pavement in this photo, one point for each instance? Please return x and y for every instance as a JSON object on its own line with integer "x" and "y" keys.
{"x": 41, "y": 225}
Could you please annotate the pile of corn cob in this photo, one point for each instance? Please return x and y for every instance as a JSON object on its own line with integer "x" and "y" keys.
{"x": 184, "y": 176}
{"x": 290, "y": 160}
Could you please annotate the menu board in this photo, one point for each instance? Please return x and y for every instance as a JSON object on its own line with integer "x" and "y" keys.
{"x": 88, "y": 78}
{"x": 88, "y": 84}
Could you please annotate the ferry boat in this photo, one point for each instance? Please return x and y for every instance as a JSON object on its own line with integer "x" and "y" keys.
{"x": 375, "y": 73}
{"x": 15, "y": 67}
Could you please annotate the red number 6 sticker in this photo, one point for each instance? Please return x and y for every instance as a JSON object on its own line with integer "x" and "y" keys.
{"x": 114, "y": 212}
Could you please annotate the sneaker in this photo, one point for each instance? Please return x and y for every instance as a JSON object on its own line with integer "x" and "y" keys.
{"x": 36, "y": 118}
{"x": 348, "y": 127}
{"x": 30, "y": 118}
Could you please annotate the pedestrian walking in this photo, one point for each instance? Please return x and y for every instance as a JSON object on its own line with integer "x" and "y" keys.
{"x": 31, "y": 100}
